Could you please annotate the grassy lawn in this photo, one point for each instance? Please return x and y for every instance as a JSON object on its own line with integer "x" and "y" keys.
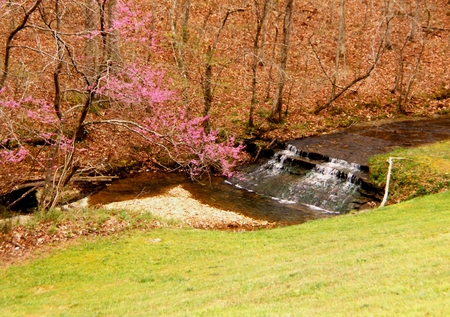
{"x": 388, "y": 262}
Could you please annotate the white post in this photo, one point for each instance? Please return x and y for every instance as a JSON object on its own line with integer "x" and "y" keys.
{"x": 388, "y": 179}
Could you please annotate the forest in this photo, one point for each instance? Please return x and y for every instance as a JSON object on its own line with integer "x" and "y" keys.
{"x": 90, "y": 87}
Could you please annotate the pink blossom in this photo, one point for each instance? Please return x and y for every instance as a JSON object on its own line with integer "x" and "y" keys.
{"x": 10, "y": 156}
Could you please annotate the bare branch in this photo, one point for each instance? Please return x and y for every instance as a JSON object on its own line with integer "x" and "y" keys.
{"x": 379, "y": 53}
{"x": 11, "y": 36}
{"x": 137, "y": 128}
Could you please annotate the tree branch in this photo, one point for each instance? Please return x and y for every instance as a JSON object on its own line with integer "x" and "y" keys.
{"x": 11, "y": 37}
{"x": 377, "y": 57}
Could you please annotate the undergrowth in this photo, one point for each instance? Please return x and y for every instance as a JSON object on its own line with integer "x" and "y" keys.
{"x": 21, "y": 237}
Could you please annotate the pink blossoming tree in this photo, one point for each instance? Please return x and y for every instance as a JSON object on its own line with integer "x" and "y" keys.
{"x": 101, "y": 62}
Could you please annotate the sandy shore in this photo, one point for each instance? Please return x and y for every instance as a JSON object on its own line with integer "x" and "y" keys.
{"x": 178, "y": 204}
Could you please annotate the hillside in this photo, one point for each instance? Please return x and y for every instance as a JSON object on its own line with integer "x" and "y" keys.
{"x": 389, "y": 262}
{"x": 410, "y": 75}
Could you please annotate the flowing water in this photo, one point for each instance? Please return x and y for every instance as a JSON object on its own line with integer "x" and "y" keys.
{"x": 292, "y": 177}
{"x": 289, "y": 188}
{"x": 330, "y": 172}
{"x": 311, "y": 178}
{"x": 214, "y": 192}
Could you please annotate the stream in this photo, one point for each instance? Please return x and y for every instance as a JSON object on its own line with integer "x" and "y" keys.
{"x": 309, "y": 178}
{"x": 215, "y": 192}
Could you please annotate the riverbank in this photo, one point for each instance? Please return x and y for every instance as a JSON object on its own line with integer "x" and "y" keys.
{"x": 25, "y": 236}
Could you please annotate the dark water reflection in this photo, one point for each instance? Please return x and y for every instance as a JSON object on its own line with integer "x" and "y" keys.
{"x": 214, "y": 192}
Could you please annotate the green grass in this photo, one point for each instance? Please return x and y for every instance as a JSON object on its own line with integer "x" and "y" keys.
{"x": 421, "y": 171}
{"x": 387, "y": 262}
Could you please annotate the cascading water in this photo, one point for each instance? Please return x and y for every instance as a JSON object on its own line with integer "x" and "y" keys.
{"x": 296, "y": 177}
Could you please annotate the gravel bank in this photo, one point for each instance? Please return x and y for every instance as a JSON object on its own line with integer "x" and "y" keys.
{"x": 178, "y": 204}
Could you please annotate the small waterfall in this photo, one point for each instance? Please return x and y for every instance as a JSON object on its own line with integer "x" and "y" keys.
{"x": 277, "y": 165}
{"x": 297, "y": 177}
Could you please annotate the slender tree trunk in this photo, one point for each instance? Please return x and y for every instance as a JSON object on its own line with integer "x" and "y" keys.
{"x": 9, "y": 40}
{"x": 112, "y": 48}
{"x": 59, "y": 63}
{"x": 269, "y": 82}
{"x": 414, "y": 22}
{"x": 331, "y": 12}
{"x": 185, "y": 12}
{"x": 264, "y": 31}
{"x": 389, "y": 15}
{"x": 341, "y": 51}
{"x": 399, "y": 78}
{"x": 403, "y": 87}
{"x": 91, "y": 47}
{"x": 257, "y": 48}
{"x": 207, "y": 82}
{"x": 276, "y": 114}
{"x": 340, "y": 48}
{"x": 179, "y": 41}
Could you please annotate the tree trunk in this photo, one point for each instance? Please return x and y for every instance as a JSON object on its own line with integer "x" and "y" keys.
{"x": 207, "y": 82}
{"x": 276, "y": 114}
{"x": 269, "y": 82}
{"x": 112, "y": 49}
{"x": 331, "y": 12}
{"x": 179, "y": 41}
{"x": 257, "y": 48}
{"x": 8, "y": 44}
{"x": 414, "y": 22}
{"x": 91, "y": 47}
{"x": 389, "y": 15}
{"x": 340, "y": 48}
{"x": 57, "y": 72}
{"x": 185, "y": 10}
{"x": 403, "y": 82}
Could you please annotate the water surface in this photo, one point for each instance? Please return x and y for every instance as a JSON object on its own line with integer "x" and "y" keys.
{"x": 214, "y": 192}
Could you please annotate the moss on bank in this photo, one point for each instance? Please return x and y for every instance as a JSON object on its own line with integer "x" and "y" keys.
{"x": 417, "y": 171}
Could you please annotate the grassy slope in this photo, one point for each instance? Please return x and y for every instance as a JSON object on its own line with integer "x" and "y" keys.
{"x": 421, "y": 170}
{"x": 388, "y": 262}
